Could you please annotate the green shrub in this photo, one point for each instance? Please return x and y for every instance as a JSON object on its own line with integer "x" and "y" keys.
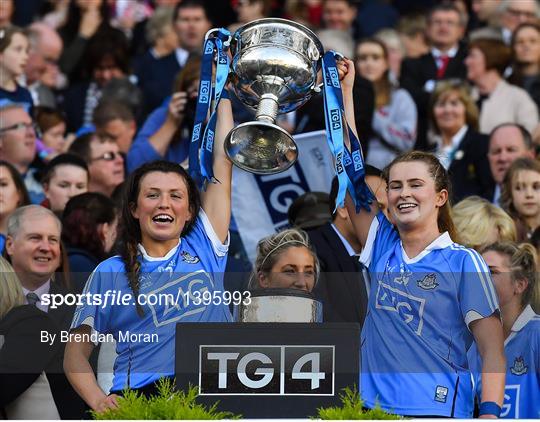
{"x": 352, "y": 409}
{"x": 167, "y": 404}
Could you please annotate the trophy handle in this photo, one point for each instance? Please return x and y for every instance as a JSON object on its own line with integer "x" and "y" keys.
{"x": 318, "y": 87}
{"x": 214, "y": 31}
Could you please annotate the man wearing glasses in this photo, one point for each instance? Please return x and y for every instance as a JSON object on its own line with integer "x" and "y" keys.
{"x": 18, "y": 146}
{"x": 105, "y": 163}
{"x": 516, "y": 12}
{"x": 503, "y": 18}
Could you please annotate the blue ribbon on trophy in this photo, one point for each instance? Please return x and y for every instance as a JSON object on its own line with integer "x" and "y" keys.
{"x": 349, "y": 165}
{"x": 201, "y": 147}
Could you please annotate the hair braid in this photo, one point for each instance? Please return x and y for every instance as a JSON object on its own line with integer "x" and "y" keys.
{"x": 133, "y": 268}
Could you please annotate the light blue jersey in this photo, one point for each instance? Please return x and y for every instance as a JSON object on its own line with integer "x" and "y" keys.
{"x": 522, "y": 351}
{"x": 146, "y": 345}
{"x": 416, "y": 335}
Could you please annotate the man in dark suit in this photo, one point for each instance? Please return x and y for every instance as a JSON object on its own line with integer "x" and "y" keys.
{"x": 446, "y": 27}
{"x": 341, "y": 286}
{"x": 33, "y": 247}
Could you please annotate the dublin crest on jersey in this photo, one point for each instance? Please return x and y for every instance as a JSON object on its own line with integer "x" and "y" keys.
{"x": 190, "y": 259}
{"x": 519, "y": 367}
{"x": 429, "y": 282}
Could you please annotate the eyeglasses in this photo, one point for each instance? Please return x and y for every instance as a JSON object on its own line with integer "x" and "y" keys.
{"x": 108, "y": 156}
{"x": 20, "y": 126}
{"x": 521, "y": 13}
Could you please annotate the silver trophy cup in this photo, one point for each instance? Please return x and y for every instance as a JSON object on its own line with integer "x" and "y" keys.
{"x": 274, "y": 70}
{"x": 280, "y": 305}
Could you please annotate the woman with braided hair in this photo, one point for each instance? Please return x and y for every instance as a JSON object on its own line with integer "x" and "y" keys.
{"x": 174, "y": 248}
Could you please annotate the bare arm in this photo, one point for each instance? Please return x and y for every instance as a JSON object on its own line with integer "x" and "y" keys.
{"x": 216, "y": 201}
{"x": 80, "y": 374}
{"x": 488, "y": 334}
{"x": 362, "y": 220}
{"x": 162, "y": 138}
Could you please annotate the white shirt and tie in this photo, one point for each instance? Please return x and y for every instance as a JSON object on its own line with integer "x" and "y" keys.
{"x": 351, "y": 252}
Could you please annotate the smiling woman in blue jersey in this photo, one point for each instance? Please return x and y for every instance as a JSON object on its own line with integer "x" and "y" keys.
{"x": 430, "y": 298}
{"x": 175, "y": 245}
{"x": 515, "y": 276}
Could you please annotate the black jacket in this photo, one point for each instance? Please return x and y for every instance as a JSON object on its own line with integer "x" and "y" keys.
{"x": 341, "y": 286}
{"x": 414, "y": 75}
{"x": 24, "y": 356}
{"x": 469, "y": 171}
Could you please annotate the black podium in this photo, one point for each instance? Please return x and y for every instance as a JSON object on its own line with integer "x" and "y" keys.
{"x": 268, "y": 370}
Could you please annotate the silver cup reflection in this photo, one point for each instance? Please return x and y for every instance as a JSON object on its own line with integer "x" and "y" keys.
{"x": 280, "y": 305}
{"x": 274, "y": 70}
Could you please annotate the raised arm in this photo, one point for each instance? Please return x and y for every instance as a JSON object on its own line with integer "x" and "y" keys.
{"x": 488, "y": 335}
{"x": 362, "y": 220}
{"x": 216, "y": 201}
{"x": 80, "y": 374}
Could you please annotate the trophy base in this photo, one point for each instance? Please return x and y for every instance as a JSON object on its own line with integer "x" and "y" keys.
{"x": 261, "y": 147}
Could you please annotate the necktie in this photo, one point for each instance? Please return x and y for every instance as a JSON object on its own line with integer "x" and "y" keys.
{"x": 32, "y": 298}
{"x": 444, "y": 60}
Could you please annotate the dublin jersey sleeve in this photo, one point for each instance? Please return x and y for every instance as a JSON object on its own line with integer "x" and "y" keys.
{"x": 94, "y": 307}
{"x": 477, "y": 296}
{"x": 382, "y": 236}
{"x": 206, "y": 243}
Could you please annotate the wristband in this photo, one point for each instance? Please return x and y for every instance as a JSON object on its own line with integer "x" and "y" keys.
{"x": 489, "y": 408}
{"x": 225, "y": 94}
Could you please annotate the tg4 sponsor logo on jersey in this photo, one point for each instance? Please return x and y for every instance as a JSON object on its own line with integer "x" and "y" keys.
{"x": 409, "y": 307}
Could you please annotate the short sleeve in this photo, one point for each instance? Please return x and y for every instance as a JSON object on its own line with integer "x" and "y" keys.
{"x": 381, "y": 237}
{"x": 203, "y": 233}
{"x": 477, "y": 296}
{"x": 92, "y": 309}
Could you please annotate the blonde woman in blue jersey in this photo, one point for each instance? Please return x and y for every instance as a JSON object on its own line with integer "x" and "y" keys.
{"x": 174, "y": 249}
{"x": 430, "y": 297}
{"x": 514, "y": 274}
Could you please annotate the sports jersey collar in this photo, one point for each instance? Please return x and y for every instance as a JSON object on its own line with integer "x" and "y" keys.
{"x": 523, "y": 318}
{"x": 443, "y": 241}
{"x": 159, "y": 258}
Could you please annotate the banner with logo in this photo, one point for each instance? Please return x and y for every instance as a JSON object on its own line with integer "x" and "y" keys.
{"x": 260, "y": 203}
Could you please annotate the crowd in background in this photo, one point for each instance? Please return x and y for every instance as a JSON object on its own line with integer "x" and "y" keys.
{"x": 91, "y": 90}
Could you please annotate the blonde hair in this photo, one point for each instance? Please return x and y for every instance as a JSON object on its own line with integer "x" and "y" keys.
{"x": 474, "y": 217}
{"x": 443, "y": 90}
{"x": 271, "y": 247}
{"x": 523, "y": 260}
{"x": 11, "y": 293}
